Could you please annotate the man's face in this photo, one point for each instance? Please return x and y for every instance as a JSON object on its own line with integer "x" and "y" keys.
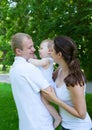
{"x": 28, "y": 49}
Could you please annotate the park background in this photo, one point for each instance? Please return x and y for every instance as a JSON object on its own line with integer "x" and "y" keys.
{"x": 43, "y": 19}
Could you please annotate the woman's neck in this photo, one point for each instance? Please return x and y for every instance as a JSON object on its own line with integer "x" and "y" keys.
{"x": 65, "y": 68}
{"x": 63, "y": 72}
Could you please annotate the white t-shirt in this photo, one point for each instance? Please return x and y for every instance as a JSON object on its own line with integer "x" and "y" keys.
{"x": 48, "y": 72}
{"x": 27, "y": 81}
{"x": 68, "y": 120}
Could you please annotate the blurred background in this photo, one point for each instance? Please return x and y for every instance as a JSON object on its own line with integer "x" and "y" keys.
{"x": 44, "y": 19}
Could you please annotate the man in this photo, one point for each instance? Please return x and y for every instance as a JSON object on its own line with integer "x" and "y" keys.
{"x": 27, "y": 82}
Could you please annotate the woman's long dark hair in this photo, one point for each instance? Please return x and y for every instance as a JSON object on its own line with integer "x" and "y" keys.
{"x": 67, "y": 47}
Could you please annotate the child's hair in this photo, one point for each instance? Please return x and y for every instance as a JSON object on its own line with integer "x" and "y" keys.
{"x": 48, "y": 41}
{"x": 66, "y": 46}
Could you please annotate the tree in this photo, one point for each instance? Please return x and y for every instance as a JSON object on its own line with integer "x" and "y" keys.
{"x": 47, "y": 19}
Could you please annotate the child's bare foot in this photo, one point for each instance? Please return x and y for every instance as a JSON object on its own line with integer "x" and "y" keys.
{"x": 57, "y": 122}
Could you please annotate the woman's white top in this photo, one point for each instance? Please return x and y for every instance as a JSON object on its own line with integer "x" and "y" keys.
{"x": 68, "y": 120}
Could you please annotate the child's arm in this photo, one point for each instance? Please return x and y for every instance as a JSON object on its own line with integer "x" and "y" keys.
{"x": 40, "y": 62}
{"x": 53, "y": 112}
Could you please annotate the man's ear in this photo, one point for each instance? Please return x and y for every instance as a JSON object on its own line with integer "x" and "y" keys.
{"x": 18, "y": 51}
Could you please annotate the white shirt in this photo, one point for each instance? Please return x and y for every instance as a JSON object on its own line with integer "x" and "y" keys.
{"x": 27, "y": 81}
{"x": 68, "y": 120}
{"x": 48, "y": 72}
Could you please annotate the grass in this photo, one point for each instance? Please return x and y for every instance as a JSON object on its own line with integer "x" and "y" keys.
{"x": 89, "y": 104}
{"x": 8, "y": 113}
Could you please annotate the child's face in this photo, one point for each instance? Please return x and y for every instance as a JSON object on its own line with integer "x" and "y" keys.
{"x": 43, "y": 50}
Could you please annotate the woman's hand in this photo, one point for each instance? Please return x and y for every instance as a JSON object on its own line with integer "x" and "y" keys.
{"x": 49, "y": 95}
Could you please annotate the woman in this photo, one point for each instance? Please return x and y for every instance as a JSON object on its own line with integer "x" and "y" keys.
{"x": 70, "y": 86}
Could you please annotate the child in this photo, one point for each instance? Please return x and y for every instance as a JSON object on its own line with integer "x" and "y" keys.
{"x": 45, "y": 64}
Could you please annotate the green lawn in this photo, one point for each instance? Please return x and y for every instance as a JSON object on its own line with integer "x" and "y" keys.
{"x": 8, "y": 113}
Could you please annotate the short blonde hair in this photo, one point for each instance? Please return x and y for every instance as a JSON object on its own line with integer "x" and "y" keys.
{"x": 17, "y": 40}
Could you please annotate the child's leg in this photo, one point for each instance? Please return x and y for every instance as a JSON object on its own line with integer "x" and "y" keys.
{"x": 55, "y": 115}
{"x": 53, "y": 112}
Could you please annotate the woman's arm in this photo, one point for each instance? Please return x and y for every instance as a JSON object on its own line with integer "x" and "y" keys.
{"x": 78, "y": 99}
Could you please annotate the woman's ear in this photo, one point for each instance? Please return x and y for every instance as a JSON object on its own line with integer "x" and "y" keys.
{"x": 18, "y": 51}
{"x": 60, "y": 54}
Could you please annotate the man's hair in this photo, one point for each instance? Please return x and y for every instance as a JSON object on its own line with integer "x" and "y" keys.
{"x": 17, "y": 40}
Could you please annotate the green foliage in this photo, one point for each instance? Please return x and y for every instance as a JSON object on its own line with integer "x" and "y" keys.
{"x": 47, "y": 19}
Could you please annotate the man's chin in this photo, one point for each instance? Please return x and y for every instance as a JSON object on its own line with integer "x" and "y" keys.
{"x": 32, "y": 56}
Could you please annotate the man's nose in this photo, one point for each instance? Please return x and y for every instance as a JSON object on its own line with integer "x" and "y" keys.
{"x": 33, "y": 49}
